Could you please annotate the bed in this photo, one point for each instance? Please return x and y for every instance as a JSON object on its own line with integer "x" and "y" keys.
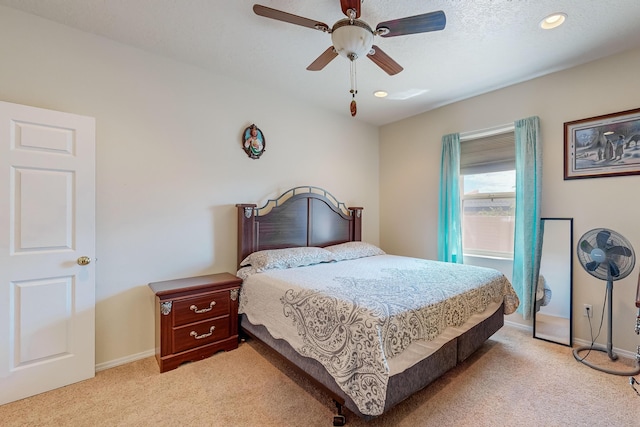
{"x": 367, "y": 327}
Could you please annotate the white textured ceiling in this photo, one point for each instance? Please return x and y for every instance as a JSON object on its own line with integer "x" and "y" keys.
{"x": 487, "y": 44}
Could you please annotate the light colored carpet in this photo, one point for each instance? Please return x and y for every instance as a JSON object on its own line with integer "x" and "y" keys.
{"x": 553, "y": 328}
{"x": 513, "y": 380}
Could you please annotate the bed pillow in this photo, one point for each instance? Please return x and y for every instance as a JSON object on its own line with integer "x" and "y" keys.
{"x": 353, "y": 250}
{"x": 286, "y": 258}
{"x": 245, "y": 272}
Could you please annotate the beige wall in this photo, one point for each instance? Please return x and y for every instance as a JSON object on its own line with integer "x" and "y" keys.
{"x": 170, "y": 167}
{"x": 410, "y": 163}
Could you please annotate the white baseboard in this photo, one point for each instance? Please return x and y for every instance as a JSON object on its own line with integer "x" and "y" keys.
{"x": 576, "y": 341}
{"x": 519, "y": 326}
{"x": 132, "y": 358}
{"x": 124, "y": 360}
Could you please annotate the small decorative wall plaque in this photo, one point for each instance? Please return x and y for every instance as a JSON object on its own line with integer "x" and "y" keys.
{"x": 253, "y": 142}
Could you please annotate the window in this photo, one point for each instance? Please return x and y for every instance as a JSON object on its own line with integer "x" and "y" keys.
{"x": 488, "y": 213}
{"x": 488, "y": 183}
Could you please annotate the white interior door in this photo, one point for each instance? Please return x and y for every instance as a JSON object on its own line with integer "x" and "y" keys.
{"x": 47, "y": 222}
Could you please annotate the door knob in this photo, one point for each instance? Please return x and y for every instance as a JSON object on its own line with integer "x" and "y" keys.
{"x": 83, "y": 260}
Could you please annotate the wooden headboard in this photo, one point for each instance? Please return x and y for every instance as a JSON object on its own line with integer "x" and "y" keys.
{"x": 301, "y": 216}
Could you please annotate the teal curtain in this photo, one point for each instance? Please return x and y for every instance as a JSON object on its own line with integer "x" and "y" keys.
{"x": 527, "y": 239}
{"x": 449, "y": 213}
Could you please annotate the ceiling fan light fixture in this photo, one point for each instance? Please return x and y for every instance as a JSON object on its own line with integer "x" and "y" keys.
{"x": 352, "y": 39}
{"x": 553, "y": 21}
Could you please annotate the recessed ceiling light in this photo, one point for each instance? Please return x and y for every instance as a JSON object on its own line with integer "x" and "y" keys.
{"x": 380, "y": 94}
{"x": 553, "y": 21}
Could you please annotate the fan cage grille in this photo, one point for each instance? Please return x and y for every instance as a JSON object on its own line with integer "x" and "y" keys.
{"x": 605, "y": 239}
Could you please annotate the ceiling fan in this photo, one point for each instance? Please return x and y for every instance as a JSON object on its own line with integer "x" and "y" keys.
{"x": 353, "y": 38}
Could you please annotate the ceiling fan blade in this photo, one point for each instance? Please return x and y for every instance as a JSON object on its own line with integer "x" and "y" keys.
{"x": 384, "y": 61}
{"x": 619, "y": 250}
{"x": 586, "y": 246}
{"x": 351, "y": 4}
{"x": 322, "y": 60}
{"x": 592, "y": 265}
{"x": 613, "y": 269}
{"x": 602, "y": 238}
{"x": 279, "y": 15}
{"x": 432, "y": 21}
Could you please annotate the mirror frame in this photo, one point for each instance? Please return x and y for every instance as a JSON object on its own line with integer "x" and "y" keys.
{"x": 570, "y": 344}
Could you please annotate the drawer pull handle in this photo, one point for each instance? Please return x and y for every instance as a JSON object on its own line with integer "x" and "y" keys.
{"x": 199, "y": 337}
{"x": 203, "y": 310}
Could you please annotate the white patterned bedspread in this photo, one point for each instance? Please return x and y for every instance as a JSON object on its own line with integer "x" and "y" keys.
{"x": 354, "y": 316}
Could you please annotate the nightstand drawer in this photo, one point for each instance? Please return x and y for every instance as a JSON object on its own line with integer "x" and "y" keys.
{"x": 200, "y": 308}
{"x": 198, "y": 334}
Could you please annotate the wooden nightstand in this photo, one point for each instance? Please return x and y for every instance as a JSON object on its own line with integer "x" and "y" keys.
{"x": 195, "y": 318}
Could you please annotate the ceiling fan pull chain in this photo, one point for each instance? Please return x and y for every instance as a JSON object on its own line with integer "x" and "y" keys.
{"x": 354, "y": 77}
{"x": 354, "y": 89}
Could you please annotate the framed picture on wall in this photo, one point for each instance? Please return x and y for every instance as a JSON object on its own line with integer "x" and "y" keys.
{"x": 602, "y": 146}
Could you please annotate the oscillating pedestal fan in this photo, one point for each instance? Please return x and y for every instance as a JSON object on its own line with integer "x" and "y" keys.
{"x": 606, "y": 255}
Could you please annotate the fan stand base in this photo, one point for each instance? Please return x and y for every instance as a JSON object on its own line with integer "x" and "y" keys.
{"x": 612, "y": 356}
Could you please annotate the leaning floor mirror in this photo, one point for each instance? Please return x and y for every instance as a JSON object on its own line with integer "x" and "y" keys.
{"x": 552, "y": 319}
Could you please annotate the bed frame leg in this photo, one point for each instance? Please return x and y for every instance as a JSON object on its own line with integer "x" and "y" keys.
{"x": 339, "y": 419}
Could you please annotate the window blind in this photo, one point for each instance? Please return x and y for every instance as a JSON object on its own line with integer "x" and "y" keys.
{"x": 493, "y": 153}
